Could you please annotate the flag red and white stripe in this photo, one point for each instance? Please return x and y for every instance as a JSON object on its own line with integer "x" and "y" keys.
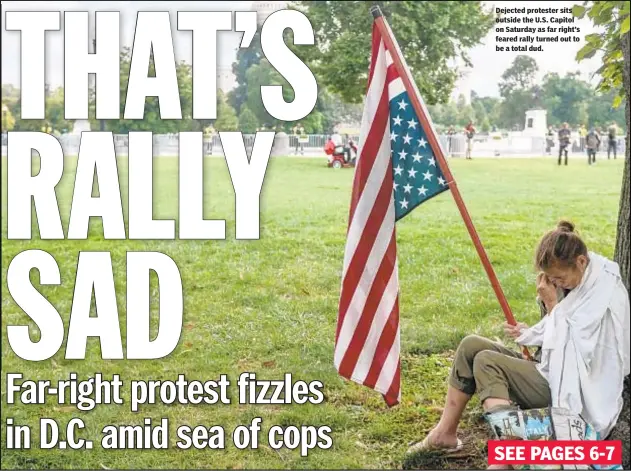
{"x": 367, "y": 341}
{"x": 367, "y": 346}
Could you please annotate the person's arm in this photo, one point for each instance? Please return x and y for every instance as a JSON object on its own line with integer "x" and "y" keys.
{"x": 546, "y": 300}
{"x": 514, "y": 331}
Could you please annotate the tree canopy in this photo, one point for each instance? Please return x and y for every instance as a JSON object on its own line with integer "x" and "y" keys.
{"x": 152, "y": 121}
{"x": 340, "y": 63}
{"x": 519, "y": 76}
{"x": 54, "y": 112}
{"x": 615, "y": 17}
{"x": 566, "y": 98}
{"x": 431, "y": 35}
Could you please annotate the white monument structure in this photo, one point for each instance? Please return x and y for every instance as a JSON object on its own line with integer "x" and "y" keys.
{"x": 530, "y": 141}
{"x": 226, "y": 80}
{"x": 536, "y": 123}
{"x": 463, "y": 84}
{"x": 265, "y": 9}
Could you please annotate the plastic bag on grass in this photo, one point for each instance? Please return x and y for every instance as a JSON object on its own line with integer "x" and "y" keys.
{"x": 550, "y": 423}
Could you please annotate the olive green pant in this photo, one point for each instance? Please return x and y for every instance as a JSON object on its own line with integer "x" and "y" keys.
{"x": 494, "y": 371}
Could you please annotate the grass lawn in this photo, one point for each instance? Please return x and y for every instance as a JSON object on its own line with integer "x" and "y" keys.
{"x": 270, "y": 306}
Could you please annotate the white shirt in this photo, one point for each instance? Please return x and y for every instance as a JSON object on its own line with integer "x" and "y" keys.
{"x": 585, "y": 346}
{"x": 337, "y": 140}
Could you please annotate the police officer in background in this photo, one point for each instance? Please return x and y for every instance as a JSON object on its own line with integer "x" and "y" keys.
{"x": 564, "y": 141}
{"x": 582, "y": 132}
{"x": 592, "y": 141}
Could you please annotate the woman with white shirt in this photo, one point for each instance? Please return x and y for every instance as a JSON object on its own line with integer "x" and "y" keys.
{"x": 582, "y": 339}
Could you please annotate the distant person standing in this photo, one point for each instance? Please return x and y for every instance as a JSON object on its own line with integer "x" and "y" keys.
{"x": 450, "y": 136}
{"x": 209, "y": 132}
{"x": 592, "y": 141}
{"x": 549, "y": 140}
{"x": 612, "y": 143}
{"x": 299, "y": 133}
{"x": 582, "y": 132}
{"x": 469, "y": 131}
{"x": 564, "y": 141}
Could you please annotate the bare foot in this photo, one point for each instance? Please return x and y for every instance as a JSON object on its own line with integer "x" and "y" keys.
{"x": 435, "y": 439}
{"x": 438, "y": 439}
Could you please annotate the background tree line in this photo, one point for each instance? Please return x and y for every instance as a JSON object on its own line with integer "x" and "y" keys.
{"x": 340, "y": 62}
{"x": 567, "y": 99}
{"x": 240, "y": 110}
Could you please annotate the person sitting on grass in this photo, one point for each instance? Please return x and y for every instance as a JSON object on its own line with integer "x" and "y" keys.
{"x": 583, "y": 340}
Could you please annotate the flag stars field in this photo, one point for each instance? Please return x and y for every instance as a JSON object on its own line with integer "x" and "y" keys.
{"x": 416, "y": 174}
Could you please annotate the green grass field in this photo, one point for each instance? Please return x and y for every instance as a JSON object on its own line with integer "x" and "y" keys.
{"x": 270, "y": 306}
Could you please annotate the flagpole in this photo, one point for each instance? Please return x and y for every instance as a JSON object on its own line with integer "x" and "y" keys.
{"x": 393, "y": 48}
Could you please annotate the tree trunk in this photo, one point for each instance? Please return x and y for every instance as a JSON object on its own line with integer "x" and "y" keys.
{"x": 622, "y": 242}
{"x": 621, "y": 431}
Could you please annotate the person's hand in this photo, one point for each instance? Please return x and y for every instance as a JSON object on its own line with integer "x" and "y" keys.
{"x": 546, "y": 291}
{"x": 514, "y": 331}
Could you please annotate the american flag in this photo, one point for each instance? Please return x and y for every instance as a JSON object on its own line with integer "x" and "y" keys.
{"x": 396, "y": 171}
